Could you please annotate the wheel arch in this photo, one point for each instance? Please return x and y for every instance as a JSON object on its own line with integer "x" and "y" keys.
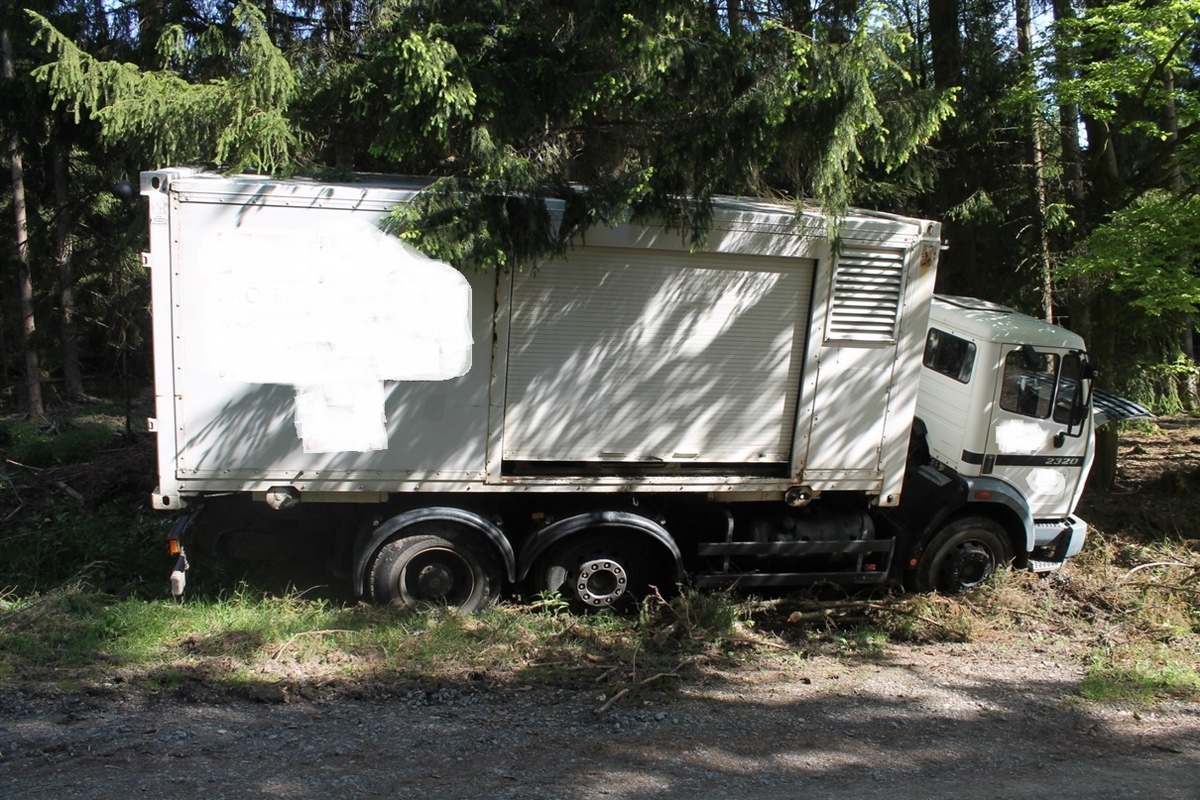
{"x": 392, "y": 527}
{"x": 538, "y": 544}
{"x": 1002, "y": 502}
{"x": 980, "y": 496}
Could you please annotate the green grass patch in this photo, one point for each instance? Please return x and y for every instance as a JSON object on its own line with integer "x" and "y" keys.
{"x": 51, "y": 444}
{"x": 247, "y": 641}
{"x": 1141, "y": 676}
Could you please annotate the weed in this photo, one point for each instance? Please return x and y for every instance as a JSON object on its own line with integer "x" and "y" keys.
{"x": 550, "y": 603}
{"x": 863, "y": 641}
{"x": 694, "y": 615}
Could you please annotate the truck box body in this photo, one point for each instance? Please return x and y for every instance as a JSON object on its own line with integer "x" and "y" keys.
{"x": 297, "y": 346}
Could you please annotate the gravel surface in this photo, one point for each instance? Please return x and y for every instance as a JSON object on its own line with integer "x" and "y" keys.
{"x": 932, "y": 721}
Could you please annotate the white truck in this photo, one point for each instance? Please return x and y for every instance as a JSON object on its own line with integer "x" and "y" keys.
{"x": 780, "y": 407}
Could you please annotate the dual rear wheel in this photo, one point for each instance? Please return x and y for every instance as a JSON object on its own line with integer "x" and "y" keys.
{"x": 598, "y": 570}
{"x": 437, "y": 564}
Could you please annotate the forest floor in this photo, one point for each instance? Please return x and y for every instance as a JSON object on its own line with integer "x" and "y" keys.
{"x": 1003, "y": 714}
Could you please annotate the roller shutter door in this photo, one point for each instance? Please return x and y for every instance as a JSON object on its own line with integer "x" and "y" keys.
{"x": 641, "y": 356}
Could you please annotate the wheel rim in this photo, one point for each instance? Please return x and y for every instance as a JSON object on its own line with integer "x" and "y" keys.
{"x": 437, "y": 575}
{"x": 968, "y": 565}
{"x": 601, "y": 582}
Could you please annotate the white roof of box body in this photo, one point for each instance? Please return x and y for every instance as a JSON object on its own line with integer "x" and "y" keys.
{"x": 382, "y": 192}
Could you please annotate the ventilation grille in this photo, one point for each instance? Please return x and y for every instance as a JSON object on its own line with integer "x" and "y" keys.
{"x": 867, "y": 288}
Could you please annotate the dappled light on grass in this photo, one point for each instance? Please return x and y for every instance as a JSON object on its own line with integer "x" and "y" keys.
{"x": 1141, "y": 673}
{"x": 83, "y": 585}
{"x": 272, "y": 647}
{"x": 308, "y": 645}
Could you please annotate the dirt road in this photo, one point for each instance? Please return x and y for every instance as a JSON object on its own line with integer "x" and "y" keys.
{"x": 934, "y": 721}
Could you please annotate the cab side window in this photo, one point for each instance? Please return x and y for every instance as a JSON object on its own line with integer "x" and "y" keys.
{"x": 1029, "y": 381}
{"x": 949, "y": 355}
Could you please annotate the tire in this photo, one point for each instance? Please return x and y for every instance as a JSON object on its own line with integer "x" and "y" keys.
{"x": 963, "y": 556}
{"x": 596, "y": 571}
{"x": 448, "y": 569}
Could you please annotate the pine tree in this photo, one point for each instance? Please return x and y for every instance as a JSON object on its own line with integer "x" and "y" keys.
{"x": 238, "y": 120}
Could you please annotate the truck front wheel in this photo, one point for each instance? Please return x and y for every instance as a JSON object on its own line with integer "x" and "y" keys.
{"x": 963, "y": 556}
{"x": 447, "y": 569}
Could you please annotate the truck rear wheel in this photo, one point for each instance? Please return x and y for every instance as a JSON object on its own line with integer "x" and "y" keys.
{"x": 447, "y": 569}
{"x": 963, "y": 556}
{"x": 592, "y": 572}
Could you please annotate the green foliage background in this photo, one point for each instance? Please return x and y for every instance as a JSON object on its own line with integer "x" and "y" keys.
{"x": 634, "y": 109}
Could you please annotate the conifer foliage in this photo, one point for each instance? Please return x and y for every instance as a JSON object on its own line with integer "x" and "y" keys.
{"x": 1044, "y": 149}
{"x": 238, "y": 120}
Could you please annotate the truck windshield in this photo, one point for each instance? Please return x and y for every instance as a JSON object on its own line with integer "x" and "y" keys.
{"x": 1044, "y": 384}
{"x": 1030, "y": 379}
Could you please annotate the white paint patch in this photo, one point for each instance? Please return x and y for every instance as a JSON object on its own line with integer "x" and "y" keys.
{"x": 1046, "y": 483}
{"x": 341, "y": 417}
{"x": 334, "y": 311}
{"x": 1019, "y": 437}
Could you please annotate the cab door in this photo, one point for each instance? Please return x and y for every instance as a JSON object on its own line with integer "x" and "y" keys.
{"x": 1038, "y": 437}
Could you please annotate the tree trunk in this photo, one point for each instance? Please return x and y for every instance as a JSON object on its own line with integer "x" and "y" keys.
{"x": 72, "y": 377}
{"x": 1080, "y": 296}
{"x": 1035, "y": 153}
{"x": 1068, "y": 121}
{"x": 33, "y": 393}
{"x": 1189, "y": 389}
{"x": 944, "y": 43}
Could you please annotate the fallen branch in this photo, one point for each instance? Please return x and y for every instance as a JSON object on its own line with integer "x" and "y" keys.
{"x": 604, "y": 707}
{"x": 659, "y": 676}
{"x": 23, "y": 466}
{"x": 12, "y": 514}
{"x": 603, "y": 676}
{"x": 1157, "y": 564}
{"x": 1167, "y": 587}
{"x": 759, "y": 643}
{"x": 796, "y": 617}
{"x": 607, "y": 704}
{"x": 72, "y": 493}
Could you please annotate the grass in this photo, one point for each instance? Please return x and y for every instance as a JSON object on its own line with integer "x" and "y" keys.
{"x": 245, "y": 642}
{"x": 44, "y": 445}
{"x": 1141, "y": 675}
{"x": 253, "y": 643}
{"x": 83, "y": 585}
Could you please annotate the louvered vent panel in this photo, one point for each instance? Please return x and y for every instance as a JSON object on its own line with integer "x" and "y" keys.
{"x": 867, "y": 288}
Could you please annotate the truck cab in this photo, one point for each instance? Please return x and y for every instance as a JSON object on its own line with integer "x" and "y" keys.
{"x": 1006, "y": 403}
